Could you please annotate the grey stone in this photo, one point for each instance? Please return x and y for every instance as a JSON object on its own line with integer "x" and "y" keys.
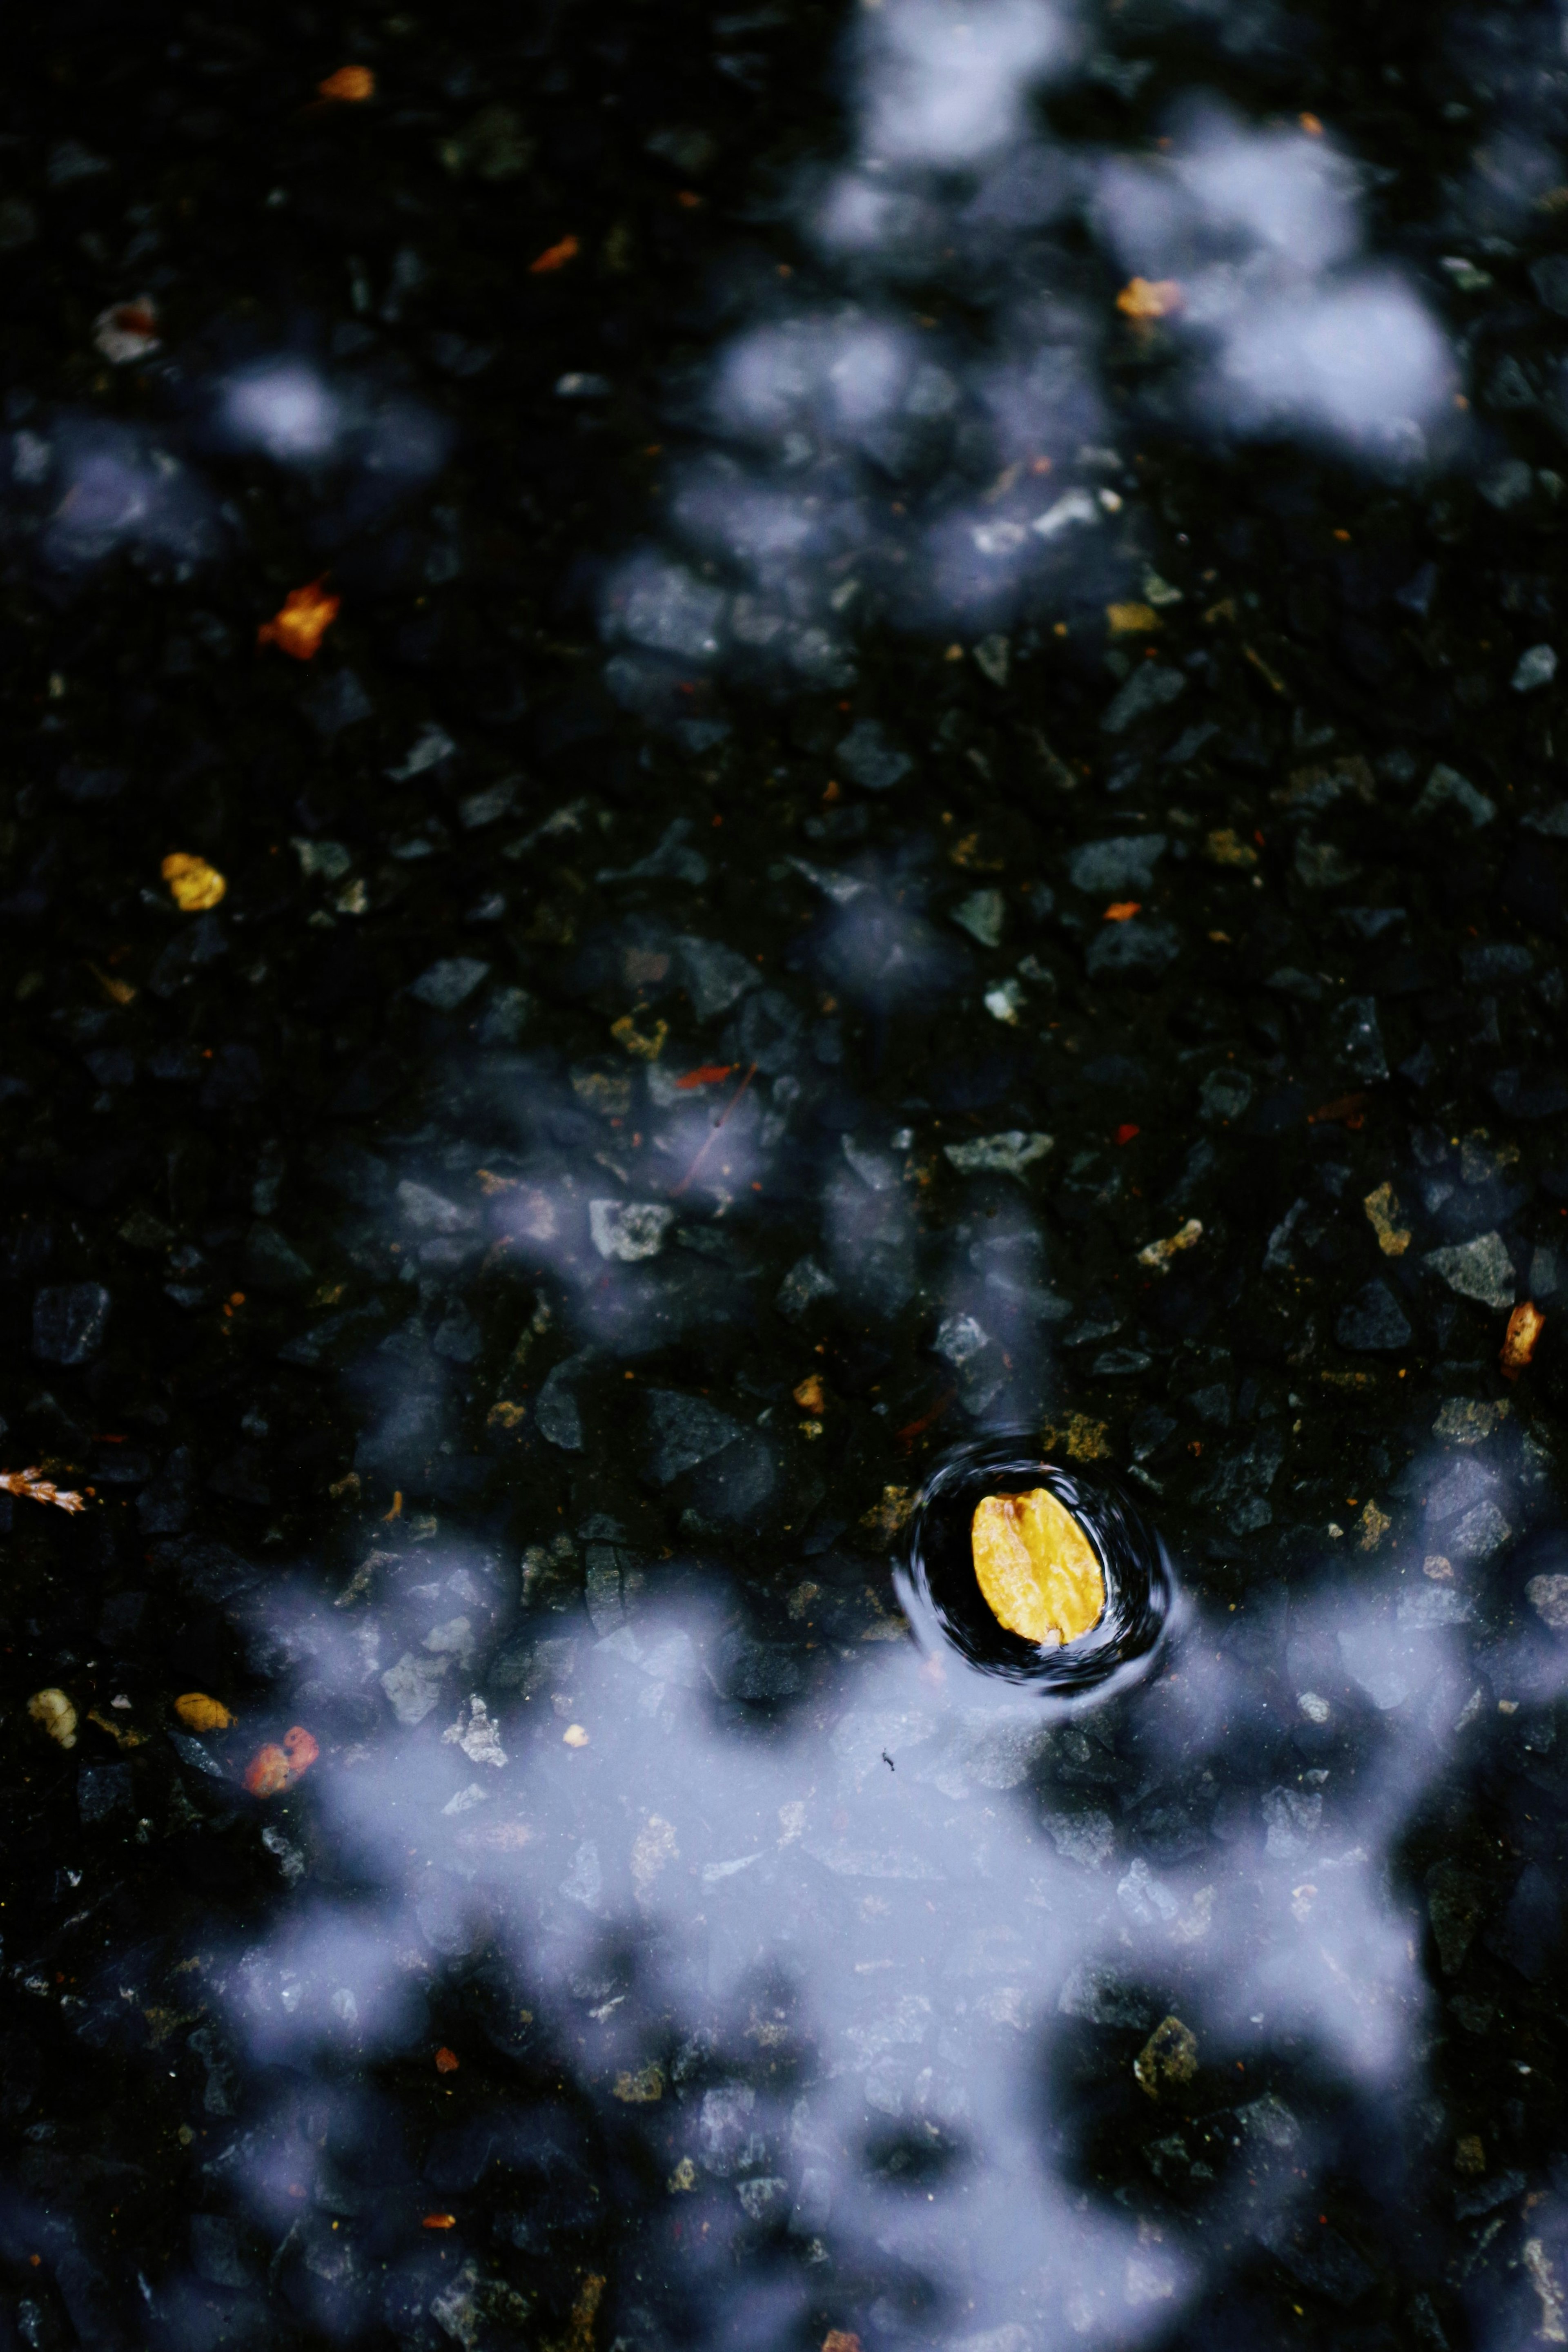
{"x": 70, "y": 1322}
{"x": 449, "y": 983}
{"x": 666, "y": 608}
{"x": 1535, "y": 668}
{"x": 216, "y": 2251}
{"x": 1549, "y": 277}
{"x": 804, "y": 1286}
{"x": 270, "y": 1263}
{"x": 1225, "y": 1095}
{"x": 1103, "y": 1996}
{"x": 683, "y": 1432}
{"x": 103, "y": 1789}
{"x": 1456, "y": 1905}
{"x": 1138, "y": 949}
{"x": 1372, "y": 1321}
{"x": 998, "y": 1155}
{"x": 1127, "y": 862}
{"x": 870, "y": 760}
{"x": 428, "y": 1212}
{"x": 558, "y": 1414}
{"x": 1151, "y": 687}
{"x": 1446, "y": 788}
{"x": 1358, "y": 1040}
{"x": 1479, "y": 1269}
{"x": 715, "y": 977}
{"x": 413, "y": 1685}
{"x": 1548, "y": 1596}
{"x": 338, "y": 701}
{"x": 629, "y": 1231}
{"x": 1479, "y": 1533}
{"x": 983, "y": 915}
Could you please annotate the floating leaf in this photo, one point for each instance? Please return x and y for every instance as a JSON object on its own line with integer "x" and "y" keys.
{"x": 194, "y": 885}
{"x": 306, "y": 615}
{"x": 1040, "y": 1575}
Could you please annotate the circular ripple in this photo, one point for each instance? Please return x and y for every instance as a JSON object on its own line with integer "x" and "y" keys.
{"x": 943, "y": 1591}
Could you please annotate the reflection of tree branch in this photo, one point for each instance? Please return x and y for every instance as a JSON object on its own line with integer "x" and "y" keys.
{"x": 677, "y": 1190}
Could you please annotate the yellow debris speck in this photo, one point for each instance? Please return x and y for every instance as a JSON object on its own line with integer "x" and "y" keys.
{"x": 194, "y": 885}
{"x": 1225, "y": 847}
{"x": 1159, "y": 1255}
{"x": 1132, "y": 620}
{"x": 575, "y": 1735}
{"x": 1382, "y": 1208}
{"x": 1036, "y": 1567}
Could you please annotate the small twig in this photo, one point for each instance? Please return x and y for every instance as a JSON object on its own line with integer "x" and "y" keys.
{"x": 37, "y": 1489}
{"x": 677, "y": 1190}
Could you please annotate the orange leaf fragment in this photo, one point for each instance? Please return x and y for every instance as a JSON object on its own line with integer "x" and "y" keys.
{"x": 304, "y": 620}
{"x": 1350, "y": 1109}
{"x": 810, "y": 1394}
{"x": 440, "y": 2221}
{"x": 1126, "y": 1131}
{"x": 1525, "y": 1326}
{"x": 197, "y": 1712}
{"x": 446, "y": 2061}
{"x": 350, "y": 86}
{"x": 1123, "y": 911}
{"x": 267, "y": 1772}
{"x": 710, "y": 1075}
{"x": 839, "y": 2339}
{"x": 1150, "y": 298}
{"x": 273, "y": 1768}
{"x": 555, "y": 257}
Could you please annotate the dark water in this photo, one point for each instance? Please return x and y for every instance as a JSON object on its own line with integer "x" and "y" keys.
{"x": 929, "y": 811}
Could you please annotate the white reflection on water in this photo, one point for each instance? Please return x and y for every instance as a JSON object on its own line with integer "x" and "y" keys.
{"x": 925, "y": 1891}
{"x": 868, "y": 465}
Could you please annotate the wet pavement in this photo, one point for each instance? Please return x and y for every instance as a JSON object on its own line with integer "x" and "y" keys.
{"x": 764, "y": 771}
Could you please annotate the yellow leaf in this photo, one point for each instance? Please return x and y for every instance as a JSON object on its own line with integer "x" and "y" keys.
{"x": 1040, "y": 1575}
{"x": 194, "y": 885}
{"x": 197, "y": 1712}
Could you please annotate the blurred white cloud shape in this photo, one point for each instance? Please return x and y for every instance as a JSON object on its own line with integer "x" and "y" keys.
{"x": 283, "y": 408}
{"x": 1227, "y": 192}
{"x": 835, "y": 376}
{"x": 1357, "y": 360}
{"x": 1292, "y": 195}
{"x": 945, "y": 84}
